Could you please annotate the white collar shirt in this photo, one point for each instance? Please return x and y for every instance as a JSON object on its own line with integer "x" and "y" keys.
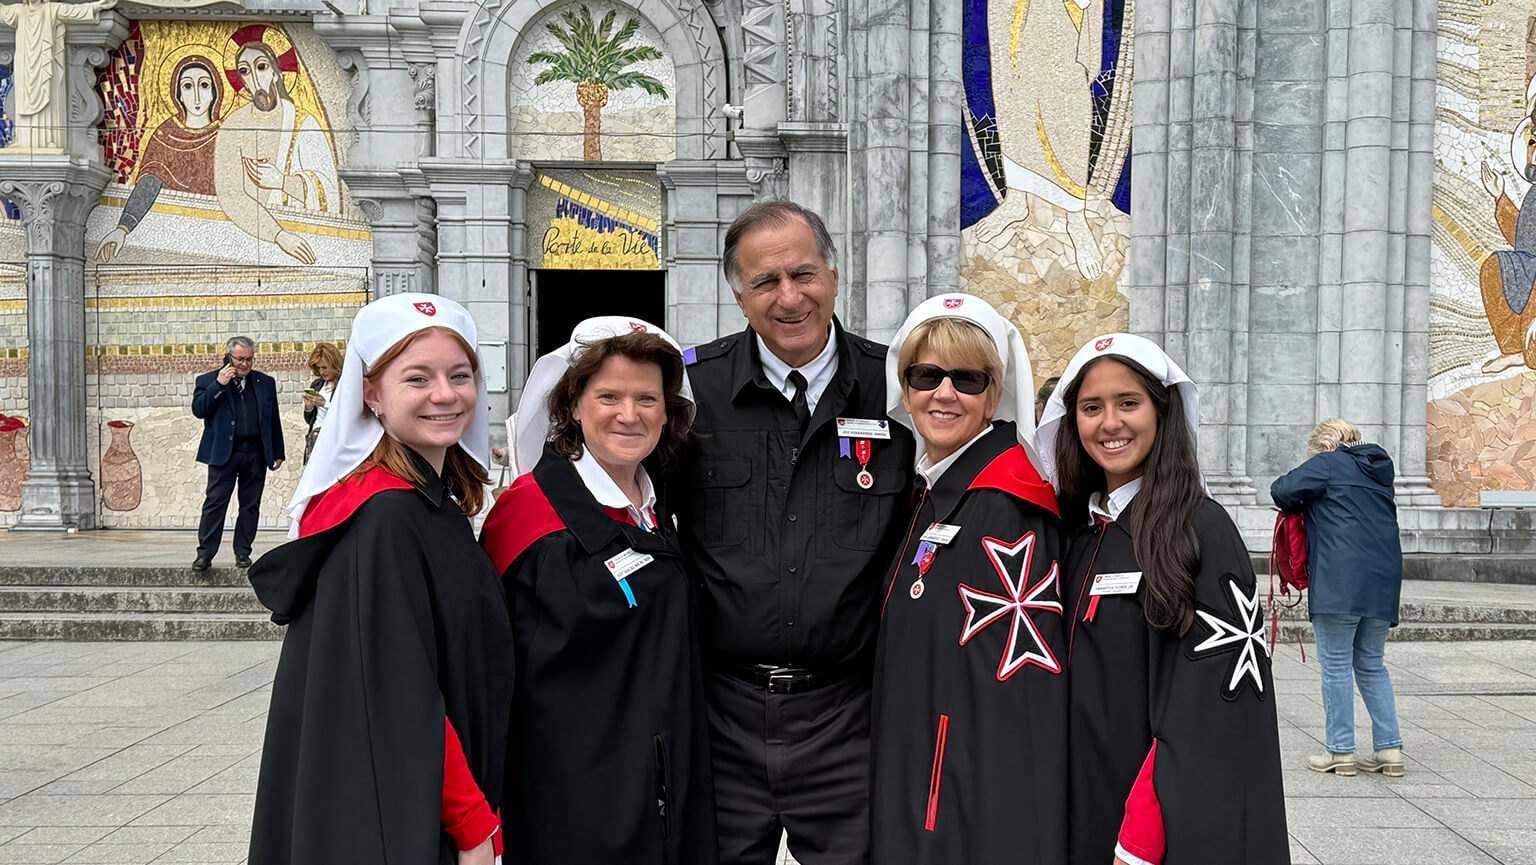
{"x": 608, "y": 494}
{"x": 931, "y": 471}
{"x": 1110, "y": 507}
{"x": 818, "y": 373}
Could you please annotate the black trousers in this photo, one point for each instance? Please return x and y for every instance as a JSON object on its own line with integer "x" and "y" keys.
{"x": 791, "y": 762}
{"x": 247, "y": 467}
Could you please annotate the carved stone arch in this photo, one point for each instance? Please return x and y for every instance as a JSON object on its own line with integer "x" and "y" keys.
{"x": 489, "y": 38}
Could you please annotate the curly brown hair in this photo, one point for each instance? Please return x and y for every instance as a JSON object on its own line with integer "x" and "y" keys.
{"x": 565, "y": 433}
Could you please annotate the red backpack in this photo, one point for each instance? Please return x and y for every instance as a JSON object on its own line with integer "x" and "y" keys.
{"x": 1288, "y": 561}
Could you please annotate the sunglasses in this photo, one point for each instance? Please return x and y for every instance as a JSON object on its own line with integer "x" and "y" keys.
{"x": 967, "y": 380}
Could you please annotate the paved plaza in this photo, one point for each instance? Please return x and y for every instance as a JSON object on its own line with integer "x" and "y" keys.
{"x": 132, "y": 753}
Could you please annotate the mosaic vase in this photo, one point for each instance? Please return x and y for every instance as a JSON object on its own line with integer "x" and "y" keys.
{"x": 122, "y": 482}
{"x": 12, "y": 469}
{"x": 23, "y": 447}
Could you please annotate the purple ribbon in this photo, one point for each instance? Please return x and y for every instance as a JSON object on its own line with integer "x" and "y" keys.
{"x": 690, "y": 355}
{"x": 842, "y": 448}
{"x": 922, "y": 550}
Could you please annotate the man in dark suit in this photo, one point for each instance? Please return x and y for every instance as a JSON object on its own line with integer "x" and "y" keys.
{"x": 242, "y": 438}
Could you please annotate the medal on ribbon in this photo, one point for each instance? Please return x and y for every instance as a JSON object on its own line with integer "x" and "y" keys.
{"x": 924, "y": 560}
{"x": 862, "y": 450}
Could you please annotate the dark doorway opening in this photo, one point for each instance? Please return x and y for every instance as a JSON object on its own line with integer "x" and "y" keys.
{"x": 566, "y": 297}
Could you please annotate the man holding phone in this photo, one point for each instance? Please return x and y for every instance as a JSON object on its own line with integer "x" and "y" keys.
{"x": 242, "y": 439}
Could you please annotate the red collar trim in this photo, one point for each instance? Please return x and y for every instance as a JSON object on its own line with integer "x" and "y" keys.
{"x": 1012, "y": 472}
{"x": 520, "y": 517}
{"x": 337, "y": 504}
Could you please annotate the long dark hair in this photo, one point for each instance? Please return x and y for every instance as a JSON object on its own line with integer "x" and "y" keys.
{"x": 1163, "y": 512}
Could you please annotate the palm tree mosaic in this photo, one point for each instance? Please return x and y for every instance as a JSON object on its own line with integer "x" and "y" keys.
{"x": 596, "y": 59}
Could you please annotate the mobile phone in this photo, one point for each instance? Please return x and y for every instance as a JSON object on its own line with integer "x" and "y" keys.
{"x": 228, "y": 360}
{"x": 311, "y": 391}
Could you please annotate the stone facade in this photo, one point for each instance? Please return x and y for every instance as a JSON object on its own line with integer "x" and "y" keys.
{"x": 1279, "y": 240}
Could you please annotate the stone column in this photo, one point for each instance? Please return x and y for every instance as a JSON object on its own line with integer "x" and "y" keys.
{"x": 904, "y": 146}
{"x": 1189, "y": 215}
{"x": 55, "y": 192}
{"x": 703, "y": 198}
{"x": 474, "y": 258}
{"x": 404, "y": 230}
{"x": 1411, "y": 452}
{"x": 1283, "y": 271}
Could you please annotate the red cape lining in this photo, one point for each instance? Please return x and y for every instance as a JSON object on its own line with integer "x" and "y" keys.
{"x": 1013, "y": 473}
{"x": 337, "y": 504}
{"x": 521, "y": 516}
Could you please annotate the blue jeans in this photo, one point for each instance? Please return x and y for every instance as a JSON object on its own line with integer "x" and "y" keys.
{"x": 1353, "y": 645}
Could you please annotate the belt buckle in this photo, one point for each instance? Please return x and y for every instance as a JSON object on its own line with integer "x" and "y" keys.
{"x": 779, "y": 675}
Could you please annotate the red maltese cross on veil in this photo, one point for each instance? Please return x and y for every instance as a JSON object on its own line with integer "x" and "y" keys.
{"x": 1025, "y": 644}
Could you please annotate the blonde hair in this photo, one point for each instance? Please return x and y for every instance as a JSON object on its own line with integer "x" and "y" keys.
{"x": 1330, "y": 434}
{"x": 328, "y": 352}
{"x": 959, "y": 343}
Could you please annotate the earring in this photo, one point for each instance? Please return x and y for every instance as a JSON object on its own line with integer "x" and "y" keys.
{"x": 376, "y": 413}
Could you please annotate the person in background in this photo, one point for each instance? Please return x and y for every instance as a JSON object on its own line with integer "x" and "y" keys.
{"x": 1174, "y": 749}
{"x": 242, "y": 440}
{"x": 791, "y": 506}
{"x": 1044, "y": 394}
{"x": 1354, "y": 584}
{"x": 608, "y": 759}
{"x": 325, "y": 363}
{"x": 968, "y": 752}
{"x": 387, "y": 731}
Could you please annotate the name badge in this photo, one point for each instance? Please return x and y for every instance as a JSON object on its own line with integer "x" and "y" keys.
{"x": 627, "y": 562}
{"x": 940, "y": 534}
{"x": 1116, "y": 584}
{"x": 863, "y": 428}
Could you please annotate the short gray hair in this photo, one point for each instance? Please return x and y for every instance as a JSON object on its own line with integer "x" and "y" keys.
{"x": 773, "y": 213}
{"x": 239, "y": 342}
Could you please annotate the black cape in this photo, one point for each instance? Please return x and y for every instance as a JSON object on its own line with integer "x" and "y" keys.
{"x": 396, "y": 619}
{"x": 609, "y": 754}
{"x": 970, "y": 693}
{"x": 1207, "y": 698}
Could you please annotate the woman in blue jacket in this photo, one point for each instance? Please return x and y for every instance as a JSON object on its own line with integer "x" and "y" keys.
{"x": 1355, "y": 564}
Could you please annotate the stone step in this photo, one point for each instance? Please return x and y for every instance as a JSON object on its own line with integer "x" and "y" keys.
{"x": 1517, "y": 570}
{"x": 1423, "y": 632}
{"x": 183, "y": 576}
{"x": 91, "y": 627}
{"x": 1436, "y": 613}
{"x": 110, "y": 599}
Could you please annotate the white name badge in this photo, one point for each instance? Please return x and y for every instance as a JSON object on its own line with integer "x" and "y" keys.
{"x": 1116, "y": 584}
{"x": 627, "y": 562}
{"x": 863, "y": 428}
{"x": 940, "y": 534}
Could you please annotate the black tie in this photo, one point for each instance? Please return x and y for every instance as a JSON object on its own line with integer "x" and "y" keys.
{"x": 802, "y": 408}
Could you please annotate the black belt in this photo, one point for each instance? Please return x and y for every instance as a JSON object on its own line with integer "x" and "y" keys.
{"x": 785, "y": 680}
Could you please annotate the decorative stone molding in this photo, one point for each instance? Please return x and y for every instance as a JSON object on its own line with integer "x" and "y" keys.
{"x": 766, "y": 163}
{"x": 359, "y": 105}
{"x": 425, "y": 76}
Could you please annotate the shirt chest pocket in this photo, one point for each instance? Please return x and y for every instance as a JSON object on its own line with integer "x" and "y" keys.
{"x": 856, "y": 516}
{"x": 722, "y": 510}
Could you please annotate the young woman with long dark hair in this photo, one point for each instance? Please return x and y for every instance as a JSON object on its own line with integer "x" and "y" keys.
{"x": 1174, "y": 747}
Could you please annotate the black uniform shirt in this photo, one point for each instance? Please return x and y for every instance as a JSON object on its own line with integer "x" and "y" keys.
{"x": 788, "y": 548}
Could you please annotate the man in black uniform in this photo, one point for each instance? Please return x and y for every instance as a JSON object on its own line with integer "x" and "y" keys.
{"x": 792, "y": 505}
